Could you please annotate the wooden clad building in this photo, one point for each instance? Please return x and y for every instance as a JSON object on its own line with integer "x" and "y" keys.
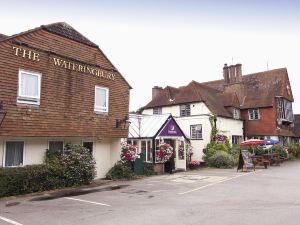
{"x": 58, "y": 87}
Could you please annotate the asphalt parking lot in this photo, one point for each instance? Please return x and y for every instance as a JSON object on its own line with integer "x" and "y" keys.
{"x": 205, "y": 196}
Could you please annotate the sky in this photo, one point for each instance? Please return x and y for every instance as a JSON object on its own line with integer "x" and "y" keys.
{"x": 172, "y": 42}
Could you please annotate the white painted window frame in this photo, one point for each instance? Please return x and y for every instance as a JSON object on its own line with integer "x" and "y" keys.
{"x": 29, "y": 100}
{"x": 93, "y": 150}
{"x": 56, "y": 141}
{"x": 4, "y": 153}
{"x": 101, "y": 109}
{"x": 258, "y": 114}
{"x": 192, "y": 125}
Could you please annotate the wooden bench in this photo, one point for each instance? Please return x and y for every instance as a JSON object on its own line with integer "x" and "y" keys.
{"x": 260, "y": 161}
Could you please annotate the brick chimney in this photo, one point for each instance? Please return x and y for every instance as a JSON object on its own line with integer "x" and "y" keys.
{"x": 156, "y": 90}
{"x": 238, "y": 69}
{"x": 232, "y": 74}
{"x": 226, "y": 74}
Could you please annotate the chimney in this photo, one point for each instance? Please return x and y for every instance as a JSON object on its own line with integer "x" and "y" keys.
{"x": 238, "y": 72}
{"x": 232, "y": 74}
{"x": 226, "y": 74}
{"x": 156, "y": 91}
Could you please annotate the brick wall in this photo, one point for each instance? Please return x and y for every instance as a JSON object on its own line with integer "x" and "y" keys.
{"x": 67, "y": 97}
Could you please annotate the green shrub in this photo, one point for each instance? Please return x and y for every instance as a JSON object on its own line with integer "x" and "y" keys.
{"x": 295, "y": 150}
{"x": 280, "y": 150}
{"x": 260, "y": 151}
{"x": 148, "y": 169}
{"x": 212, "y": 148}
{"x": 121, "y": 170}
{"x": 221, "y": 159}
{"x": 76, "y": 167}
{"x": 234, "y": 151}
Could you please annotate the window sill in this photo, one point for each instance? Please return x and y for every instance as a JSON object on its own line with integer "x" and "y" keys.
{"x": 200, "y": 139}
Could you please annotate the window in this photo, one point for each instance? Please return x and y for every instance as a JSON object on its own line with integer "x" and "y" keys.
{"x": 157, "y": 111}
{"x": 236, "y": 139}
{"x": 101, "y": 99}
{"x": 14, "y": 153}
{"x": 29, "y": 89}
{"x": 88, "y": 145}
{"x": 284, "y": 109}
{"x": 146, "y": 150}
{"x": 196, "y": 131}
{"x": 185, "y": 110}
{"x": 236, "y": 113}
{"x": 253, "y": 114}
{"x": 56, "y": 146}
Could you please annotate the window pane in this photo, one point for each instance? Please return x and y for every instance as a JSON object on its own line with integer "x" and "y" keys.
{"x": 29, "y": 85}
{"x": 100, "y": 100}
{"x": 196, "y": 131}
{"x": 89, "y": 145}
{"x": 56, "y": 146}
{"x": 143, "y": 150}
{"x": 14, "y": 153}
{"x": 149, "y": 151}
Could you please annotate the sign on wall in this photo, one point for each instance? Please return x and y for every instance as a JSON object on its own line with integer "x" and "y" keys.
{"x": 171, "y": 129}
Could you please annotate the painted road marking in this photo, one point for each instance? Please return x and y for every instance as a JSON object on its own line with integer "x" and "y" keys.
{"x": 9, "y": 221}
{"x": 218, "y": 182}
{"x": 81, "y": 200}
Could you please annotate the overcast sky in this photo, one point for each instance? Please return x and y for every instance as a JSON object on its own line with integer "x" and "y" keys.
{"x": 173, "y": 42}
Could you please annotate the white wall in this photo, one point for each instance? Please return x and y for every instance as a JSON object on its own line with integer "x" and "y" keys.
{"x": 106, "y": 151}
{"x": 196, "y": 109}
{"x": 230, "y": 127}
{"x": 198, "y": 145}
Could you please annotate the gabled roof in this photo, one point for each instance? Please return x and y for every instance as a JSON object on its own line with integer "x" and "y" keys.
{"x": 146, "y": 126}
{"x": 65, "y": 30}
{"x": 152, "y": 126}
{"x": 2, "y": 37}
{"x": 260, "y": 88}
{"x": 296, "y": 128}
{"x": 193, "y": 92}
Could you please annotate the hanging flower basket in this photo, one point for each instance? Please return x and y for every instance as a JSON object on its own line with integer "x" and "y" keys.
{"x": 164, "y": 153}
{"x": 128, "y": 152}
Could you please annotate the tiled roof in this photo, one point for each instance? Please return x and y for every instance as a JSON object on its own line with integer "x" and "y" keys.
{"x": 2, "y": 36}
{"x": 65, "y": 30}
{"x": 296, "y": 129}
{"x": 260, "y": 88}
{"x": 193, "y": 92}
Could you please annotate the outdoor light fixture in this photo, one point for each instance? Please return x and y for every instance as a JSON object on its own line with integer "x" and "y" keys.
{"x": 2, "y": 113}
{"x": 123, "y": 123}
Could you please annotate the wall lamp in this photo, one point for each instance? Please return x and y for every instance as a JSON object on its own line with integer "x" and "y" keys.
{"x": 123, "y": 123}
{"x": 2, "y": 113}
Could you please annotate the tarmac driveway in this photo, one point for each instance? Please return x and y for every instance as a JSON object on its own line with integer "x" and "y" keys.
{"x": 205, "y": 196}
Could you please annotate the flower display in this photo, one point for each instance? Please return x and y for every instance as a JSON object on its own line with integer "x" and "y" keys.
{"x": 181, "y": 151}
{"x": 165, "y": 152}
{"x": 128, "y": 152}
{"x": 194, "y": 163}
{"x": 220, "y": 138}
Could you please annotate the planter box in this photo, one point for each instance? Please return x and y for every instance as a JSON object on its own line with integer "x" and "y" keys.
{"x": 159, "y": 168}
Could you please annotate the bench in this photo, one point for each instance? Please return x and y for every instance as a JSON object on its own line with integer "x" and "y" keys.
{"x": 260, "y": 161}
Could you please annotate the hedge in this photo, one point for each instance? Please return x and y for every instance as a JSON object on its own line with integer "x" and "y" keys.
{"x": 74, "y": 168}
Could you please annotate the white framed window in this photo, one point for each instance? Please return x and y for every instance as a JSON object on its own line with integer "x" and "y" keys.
{"x": 101, "y": 99}
{"x": 157, "y": 111}
{"x": 185, "y": 110}
{"x": 56, "y": 146}
{"x": 89, "y": 145}
{"x": 236, "y": 139}
{"x": 146, "y": 149}
{"x": 196, "y": 132}
{"x": 253, "y": 114}
{"x": 14, "y": 153}
{"x": 29, "y": 87}
{"x": 236, "y": 113}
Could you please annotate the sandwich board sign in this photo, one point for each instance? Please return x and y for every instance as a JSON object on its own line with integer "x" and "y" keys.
{"x": 245, "y": 160}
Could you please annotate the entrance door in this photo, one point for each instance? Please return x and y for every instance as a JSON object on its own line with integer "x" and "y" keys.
{"x": 173, "y": 157}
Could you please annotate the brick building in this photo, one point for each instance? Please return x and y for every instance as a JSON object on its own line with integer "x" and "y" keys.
{"x": 58, "y": 87}
{"x": 256, "y": 105}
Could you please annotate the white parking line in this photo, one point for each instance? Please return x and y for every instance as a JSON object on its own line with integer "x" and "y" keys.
{"x": 9, "y": 221}
{"x": 218, "y": 182}
{"x": 80, "y": 200}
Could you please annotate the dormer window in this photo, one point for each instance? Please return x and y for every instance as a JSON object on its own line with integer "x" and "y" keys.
{"x": 236, "y": 113}
{"x": 253, "y": 114}
{"x": 157, "y": 111}
{"x": 185, "y": 110}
